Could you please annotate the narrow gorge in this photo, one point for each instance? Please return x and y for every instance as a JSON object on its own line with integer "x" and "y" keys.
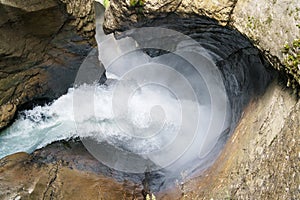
{"x": 144, "y": 99}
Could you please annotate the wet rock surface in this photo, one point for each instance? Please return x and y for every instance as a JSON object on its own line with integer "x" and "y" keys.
{"x": 75, "y": 156}
{"x": 245, "y": 70}
{"x": 261, "y": 160}
{"x": 40, "y": 53}
{"x": 26, "y": 176}
{"x": 271, "y": 25}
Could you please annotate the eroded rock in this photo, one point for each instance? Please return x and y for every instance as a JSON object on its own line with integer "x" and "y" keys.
{"x": 270, "y": 24}
{"x": 261, "y": 160}
{"x": 10, "y": 109}
{"x": 123, "y": 13}
{"x": 25, "y": 176}
{"x": 40, "y": 52}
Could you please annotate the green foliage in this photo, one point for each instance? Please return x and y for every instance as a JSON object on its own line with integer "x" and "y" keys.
{"x": 136, "y": 3}
{"x": 291, "y": 54}
{"x": 105, "y": 3}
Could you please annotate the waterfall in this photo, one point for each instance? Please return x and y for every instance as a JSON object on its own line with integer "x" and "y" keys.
{"x": 163, "y": 112}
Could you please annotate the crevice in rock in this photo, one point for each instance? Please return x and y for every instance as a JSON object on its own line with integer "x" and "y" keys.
{"x": 230, "y": 20}
{"x": 51, "y": 179}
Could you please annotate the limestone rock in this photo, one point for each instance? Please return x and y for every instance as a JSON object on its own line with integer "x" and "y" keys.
{"x": 273, "y": 26}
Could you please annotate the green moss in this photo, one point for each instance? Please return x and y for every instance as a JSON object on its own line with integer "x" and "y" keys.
{"x": 291, "y": 54}
{"x": 269, "y": 20}
{"x": 250, "y": 22}
{"x": 253, "y": 23}
{"x": 136, "y": 3}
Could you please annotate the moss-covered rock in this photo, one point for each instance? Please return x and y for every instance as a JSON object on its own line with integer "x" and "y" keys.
{"x": 272, "y": 25}
{"x": 292, "y": 64}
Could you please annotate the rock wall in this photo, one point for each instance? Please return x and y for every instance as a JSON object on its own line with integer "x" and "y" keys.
{"x": 273, "y": 26}
{"x": 84, "y": 18}
{"x": 41, "y": 48}
{"x": 261, "y": 159}
{"x": 70, "y": 174}
{"x": 32, "y": 25}
{"x": 269, "y": 24}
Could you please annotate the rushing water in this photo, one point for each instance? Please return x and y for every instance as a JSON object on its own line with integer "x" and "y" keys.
{"x": 169, "y": 110}
{"x": 45, "y": 124}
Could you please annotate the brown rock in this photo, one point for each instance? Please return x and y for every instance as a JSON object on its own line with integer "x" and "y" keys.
{"x": 21, "y": 177}
{"x": 121, "y": 13}
{"x": 260, "y": 160}
{"x": 40, "y": 52}
{"x": 7, "y": 112}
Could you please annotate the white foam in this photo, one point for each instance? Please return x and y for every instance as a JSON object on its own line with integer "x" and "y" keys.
{"x": 164, "y": 103}
{"x": 45, "y": 124}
